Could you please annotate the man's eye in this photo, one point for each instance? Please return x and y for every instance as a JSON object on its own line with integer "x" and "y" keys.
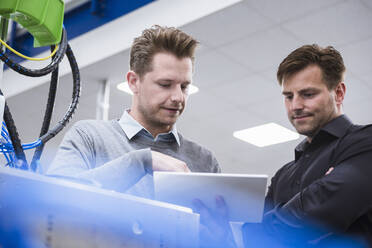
{"x": 164, "y": 85}
{"x": 288, "y": 97}
{"x": 308, "y": 95}
{"x": 184, "y": 87}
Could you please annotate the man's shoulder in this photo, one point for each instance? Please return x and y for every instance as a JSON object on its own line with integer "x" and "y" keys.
{"x": 94, "y": 127}
{"x": 357, "y": 141}
{"x": 358, "y": 134}
{"x": 364, "y": 129}
{"x": 93, "y": 124}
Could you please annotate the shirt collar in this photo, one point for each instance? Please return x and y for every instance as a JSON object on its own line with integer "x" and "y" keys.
{"x": 131, "y": 127}
{"x": 336, "y": 127}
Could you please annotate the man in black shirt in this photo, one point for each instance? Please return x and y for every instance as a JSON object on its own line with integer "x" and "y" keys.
{"x": 323, "y": 197}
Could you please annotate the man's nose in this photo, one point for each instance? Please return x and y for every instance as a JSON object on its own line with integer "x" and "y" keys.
{"x": 297, "y": 103}
{"x": 177, "y": 94}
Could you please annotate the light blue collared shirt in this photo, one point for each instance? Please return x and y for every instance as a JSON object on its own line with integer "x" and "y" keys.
{"x": 131, "y": 127}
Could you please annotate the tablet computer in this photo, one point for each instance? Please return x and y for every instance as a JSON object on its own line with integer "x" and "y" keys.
{"x": 244, "y": 194}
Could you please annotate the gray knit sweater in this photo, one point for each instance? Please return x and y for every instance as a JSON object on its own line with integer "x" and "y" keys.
{"x": 100, "y": 152}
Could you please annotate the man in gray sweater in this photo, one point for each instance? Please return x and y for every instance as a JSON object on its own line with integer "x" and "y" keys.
{"x": 121, "y": 154}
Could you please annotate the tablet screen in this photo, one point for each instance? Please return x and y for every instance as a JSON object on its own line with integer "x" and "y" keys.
{"x": 243, "y": 193}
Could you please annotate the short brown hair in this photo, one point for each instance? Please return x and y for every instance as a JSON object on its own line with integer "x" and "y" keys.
{"x": 159, "y": 39}
{"x": 328, "y": 59}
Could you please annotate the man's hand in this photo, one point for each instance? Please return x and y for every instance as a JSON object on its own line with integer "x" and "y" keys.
{"x": 162, "y": 162}
{"x": 215, "y": 228}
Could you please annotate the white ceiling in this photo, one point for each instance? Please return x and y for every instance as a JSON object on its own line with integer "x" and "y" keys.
{"x": 241, "y": 47}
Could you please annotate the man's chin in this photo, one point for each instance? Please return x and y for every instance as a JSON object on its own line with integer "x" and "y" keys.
{"x": 305, "y": 131}
{"x": 170, "y": 118}
{"x": 168, "y": 121}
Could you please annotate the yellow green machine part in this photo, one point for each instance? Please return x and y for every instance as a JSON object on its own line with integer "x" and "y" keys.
{"x": 42, "y": 18}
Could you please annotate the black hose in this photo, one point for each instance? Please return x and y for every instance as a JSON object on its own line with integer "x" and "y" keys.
{"x": 47, "y": 116}
{"x": 39, "y": 72}
{"x": 75, "y": 98}
{"x": 45, "y": 135}
{"x": 21, "y": 162}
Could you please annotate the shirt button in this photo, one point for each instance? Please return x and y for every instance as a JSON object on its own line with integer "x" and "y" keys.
{"x": 307, "y": 155}
{"x": 297, "y": 182}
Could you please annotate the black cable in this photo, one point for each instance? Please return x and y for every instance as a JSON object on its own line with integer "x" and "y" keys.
{"x": 45, "y": 135}
{"x": 21, "y": 162}
{"x": 47, "y": 116}
{"x": 75, "y": 98}
{"x": 39, "y": 72}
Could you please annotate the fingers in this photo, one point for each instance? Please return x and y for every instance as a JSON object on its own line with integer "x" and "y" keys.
{"x": 200, "y": 208}
{"x": 185, "y": 168}
{"x": 214, "y": 227}
{"x": 221, "y": 207}
{"x": 162, "y": 162}
{"x": 178, "y": 166}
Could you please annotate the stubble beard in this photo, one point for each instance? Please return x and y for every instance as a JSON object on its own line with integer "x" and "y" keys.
{"x": 317, "y": 122}
{"x": 151, "y": 119}
{"x": 309, "y": 131}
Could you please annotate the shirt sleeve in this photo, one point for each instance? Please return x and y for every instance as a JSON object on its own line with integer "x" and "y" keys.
{"x": 333, "y": 202}
{"x": 76, "y": 158}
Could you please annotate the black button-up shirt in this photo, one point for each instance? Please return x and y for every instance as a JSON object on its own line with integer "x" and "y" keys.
{"x": 303, "y": 203}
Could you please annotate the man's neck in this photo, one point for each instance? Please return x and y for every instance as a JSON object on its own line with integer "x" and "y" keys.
{"x": 156, "y": 131}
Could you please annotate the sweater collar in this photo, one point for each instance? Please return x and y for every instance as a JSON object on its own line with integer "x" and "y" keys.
{"x": 131, "y": 128}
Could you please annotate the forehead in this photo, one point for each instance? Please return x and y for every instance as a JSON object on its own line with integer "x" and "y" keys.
{"x": 309, "y": 77}
{"x": 167, "y": 64}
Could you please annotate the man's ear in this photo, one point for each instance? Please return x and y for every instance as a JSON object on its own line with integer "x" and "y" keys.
{"x": 340, "y": 91}
{"x": 133, "y": 81}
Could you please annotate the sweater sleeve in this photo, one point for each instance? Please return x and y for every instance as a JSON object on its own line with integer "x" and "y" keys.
{"x": 76, "y": 158}
{"x": 215, "y": 166}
